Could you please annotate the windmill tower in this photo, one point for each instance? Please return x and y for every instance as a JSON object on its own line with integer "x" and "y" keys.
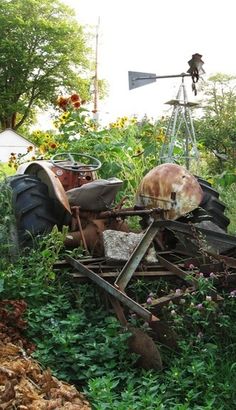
{"x": 180, "y": 140}
{"x": 180, "y": 131}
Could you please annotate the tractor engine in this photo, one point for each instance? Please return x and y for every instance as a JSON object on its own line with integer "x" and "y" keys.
{"x": 171, "y": 188}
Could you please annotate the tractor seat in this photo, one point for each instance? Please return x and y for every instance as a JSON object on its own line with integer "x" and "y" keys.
{"x": 97, "y": 195}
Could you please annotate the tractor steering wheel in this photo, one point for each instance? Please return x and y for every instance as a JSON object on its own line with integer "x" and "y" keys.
{"x": 74, "y": 162}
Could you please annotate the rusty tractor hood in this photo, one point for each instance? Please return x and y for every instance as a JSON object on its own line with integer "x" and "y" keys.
{"x": 169, "y": 187}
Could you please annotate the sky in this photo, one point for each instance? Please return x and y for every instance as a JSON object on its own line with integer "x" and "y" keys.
{"x": 156, "y": 36}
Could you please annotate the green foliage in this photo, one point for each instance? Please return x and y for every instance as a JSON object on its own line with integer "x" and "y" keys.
{"x": 72, "y": 325}
{"x": 216, "y": 129}
{"x": 5, "y": 170}
{"x": 228, "y": 195}
{"x": 128, "y": 149}
{"x": 202, "y": 366}
{"x": 85, "y": 343}
{"x": 225, "y": 179}
{"x": 6, "y": 220}
{"x": 78, "y": 337}
{"x": 42, "y": 49}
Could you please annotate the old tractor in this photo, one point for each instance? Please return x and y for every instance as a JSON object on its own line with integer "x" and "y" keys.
{"x": 176, "y": 211}
{"x": 66, "y": 191}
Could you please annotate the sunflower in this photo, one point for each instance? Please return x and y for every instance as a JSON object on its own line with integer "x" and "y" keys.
{"x": 75, "y": 98}
{"x": 62, "y": 102}
{"x": 53, "y": 145}
{"x": 76, "y": 104}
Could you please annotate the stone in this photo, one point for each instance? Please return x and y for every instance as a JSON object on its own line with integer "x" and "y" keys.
{"x": 119, "y": 246}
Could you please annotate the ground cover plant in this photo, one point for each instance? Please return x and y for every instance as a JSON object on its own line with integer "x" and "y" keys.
{"x": 77, "y": 335}
{"x": 72, "y": 325}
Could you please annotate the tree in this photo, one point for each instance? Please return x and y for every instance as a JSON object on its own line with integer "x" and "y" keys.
{"x": 217, "y": 127}
{"x": 42, "y": 49}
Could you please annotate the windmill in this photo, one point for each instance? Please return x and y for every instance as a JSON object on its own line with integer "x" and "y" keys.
{"x": 180, "y": 123}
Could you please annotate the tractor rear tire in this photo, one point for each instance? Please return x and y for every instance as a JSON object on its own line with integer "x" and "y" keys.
{"x": 212, "y": 205}
{"x": 35, "y": 212}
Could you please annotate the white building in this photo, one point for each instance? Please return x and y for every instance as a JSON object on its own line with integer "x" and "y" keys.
{"x": 12, "y": 142}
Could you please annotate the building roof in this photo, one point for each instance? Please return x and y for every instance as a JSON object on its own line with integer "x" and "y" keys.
{"x": 10, "y": 132}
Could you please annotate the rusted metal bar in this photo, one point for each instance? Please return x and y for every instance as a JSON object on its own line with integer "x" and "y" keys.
{"x": 118, "y": 310}
{"x": 76, "y": 210}
{"x": 163, "y": 300}
{"x": 176, "y": 270}
{"x": 112, "y": 290}
{"x": 128, "y": 212}
{"x": 149, "y": 274}
{"x": 136, "y": 257}
{"x": 227, "y": 260}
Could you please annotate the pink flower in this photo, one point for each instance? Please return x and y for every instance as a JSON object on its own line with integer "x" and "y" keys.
{"x": 149, "y": 301}
{"x": 199, "y": 306}
{"x": 191, "y": 266}
{"x": 212, "y": 275}
{"x": 178, "y": 291}
{"x": 201, "y": 274}
{"x": 232, "y": 294}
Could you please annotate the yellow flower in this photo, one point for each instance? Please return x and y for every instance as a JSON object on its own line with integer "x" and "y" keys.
{"x": 161, "y": 136}
{"x": 133, "y": 120}
{"x": 42, "y": 149}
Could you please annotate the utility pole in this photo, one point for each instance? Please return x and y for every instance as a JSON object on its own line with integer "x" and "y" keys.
{"x": 95, "y": 83}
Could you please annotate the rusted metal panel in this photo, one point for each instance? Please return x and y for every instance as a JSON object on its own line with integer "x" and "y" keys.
{"x": 42, "y": 170}
{"x": 171, "y": 188}
{"x": 177, "y": 226}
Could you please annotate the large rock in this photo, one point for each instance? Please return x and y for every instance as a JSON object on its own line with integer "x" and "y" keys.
{"x": 118, "y": 245}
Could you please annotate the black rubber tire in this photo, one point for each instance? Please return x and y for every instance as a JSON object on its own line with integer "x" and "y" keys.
{"x": 35, "y": 212}
{"x": 212, "y": 204}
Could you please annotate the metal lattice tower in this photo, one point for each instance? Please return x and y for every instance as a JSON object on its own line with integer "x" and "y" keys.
{"x": 180, "y": 130}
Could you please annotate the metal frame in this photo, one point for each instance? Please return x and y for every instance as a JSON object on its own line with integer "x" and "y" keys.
{"x": 116, "y": 292}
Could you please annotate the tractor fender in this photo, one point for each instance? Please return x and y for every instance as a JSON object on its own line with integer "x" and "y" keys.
{"x": 42, "y": 170}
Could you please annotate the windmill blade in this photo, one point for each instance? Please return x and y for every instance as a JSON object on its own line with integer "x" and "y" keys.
{"x": 138, "y": 79}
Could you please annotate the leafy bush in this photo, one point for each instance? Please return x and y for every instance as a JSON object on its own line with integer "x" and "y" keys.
{"x": 77, "y": 335}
